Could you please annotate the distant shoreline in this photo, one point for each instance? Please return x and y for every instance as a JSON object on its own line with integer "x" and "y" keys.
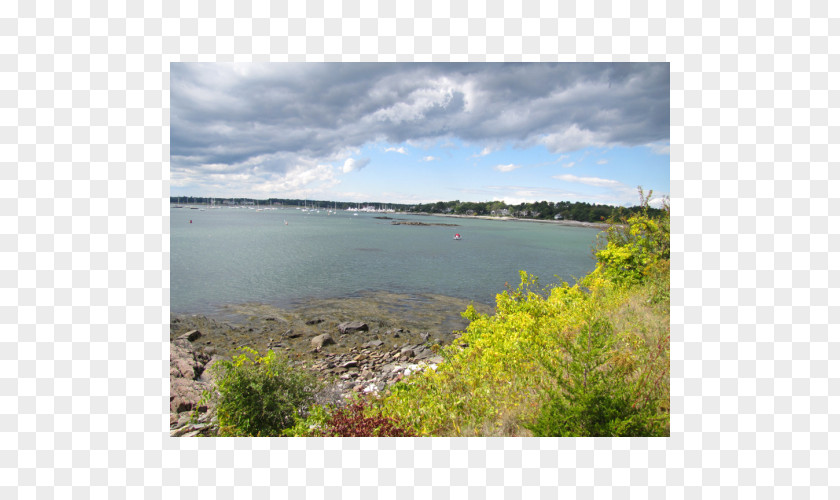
{"x": 570, "y": 223}
{"x": 573, "y": 223}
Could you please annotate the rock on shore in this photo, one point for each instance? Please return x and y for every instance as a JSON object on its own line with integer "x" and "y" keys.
{"x": 352, "y": 326}
{"x": 372, "y": 368}
{"x": 369, "y": 368}
{"x": 359, "y": 344}
{"x": 188, "y": 379}
{"x": 322, "y": 340}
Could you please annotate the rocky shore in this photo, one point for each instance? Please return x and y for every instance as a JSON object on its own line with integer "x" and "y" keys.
{"x": 363, "y": 355}
{"x": 188, "y": 379}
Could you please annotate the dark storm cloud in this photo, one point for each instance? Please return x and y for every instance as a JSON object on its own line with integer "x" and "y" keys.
{"x": 280, "y": 116}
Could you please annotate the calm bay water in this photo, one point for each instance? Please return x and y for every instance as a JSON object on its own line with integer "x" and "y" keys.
{"x": 231, "y": 256}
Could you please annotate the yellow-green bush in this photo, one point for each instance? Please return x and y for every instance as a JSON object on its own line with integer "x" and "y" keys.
{"x": 585, "y": 360}
{"x": 495, "y": 384}
{"x": 632, "y": 251}
{"x": 606, "y": 381}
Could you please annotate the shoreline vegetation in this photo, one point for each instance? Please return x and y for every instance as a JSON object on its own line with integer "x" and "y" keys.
{"x": 585, "y": 359}
{"x": 536, "y": 211}
{"x": 572, "y": 223}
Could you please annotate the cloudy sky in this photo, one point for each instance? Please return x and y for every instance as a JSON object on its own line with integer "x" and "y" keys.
{"x": 420, "y": 132}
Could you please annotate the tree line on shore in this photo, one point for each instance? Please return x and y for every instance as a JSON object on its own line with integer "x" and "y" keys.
{"x": 546, "y": 210}
{"x": 543, "y": 210}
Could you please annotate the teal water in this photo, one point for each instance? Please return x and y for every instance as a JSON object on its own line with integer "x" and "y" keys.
{"x": 230, "y": 256}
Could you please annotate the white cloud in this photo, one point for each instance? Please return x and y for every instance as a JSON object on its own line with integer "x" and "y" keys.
{"x": 436, "y": 94}
{"x": 484, "y": 152}
{"x": 353, "y": 165}
{"x": 569, "y": 165}
{"x": 510, "y": 167}
{"x": 303, "y": 175}
{"x": 303, "y": 178}
{"x": 660, "y": 201}
{"x": 660, "y": 148}
{"x": 602, "y": 162}
{"x": 253, "y": 125}
{"x": 589, "y": 181}
{"x": 571, "y": 139}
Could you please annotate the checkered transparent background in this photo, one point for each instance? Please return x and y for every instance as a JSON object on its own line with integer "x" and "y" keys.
{"x": 84, "y": 249}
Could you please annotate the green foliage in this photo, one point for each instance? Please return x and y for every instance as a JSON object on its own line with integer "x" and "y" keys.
{"x": 545, "y": 210}
{"x": 492, "y": 386}
{"x": 259, "y": 396}
{"x": 591, "y": 359}
{"x": 596, "y": 394}
{"x": 313, "y": 425}
{"x": 629, "y": 250}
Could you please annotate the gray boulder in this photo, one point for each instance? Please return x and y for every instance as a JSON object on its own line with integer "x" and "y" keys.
{"x": 190, "y": 336}
{"x": 422, "y": 353}
{"x": 352, "y": 326}
{"x": 322, "y": 340}
{"x": 406, "y": 353}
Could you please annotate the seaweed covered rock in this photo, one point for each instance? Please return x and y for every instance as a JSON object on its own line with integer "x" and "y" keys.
{"x": 322, "y": 340}
{"x": 352, "y": 327}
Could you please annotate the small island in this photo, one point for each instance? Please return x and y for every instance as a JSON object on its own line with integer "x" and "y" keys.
{"x": 416, "y": 223}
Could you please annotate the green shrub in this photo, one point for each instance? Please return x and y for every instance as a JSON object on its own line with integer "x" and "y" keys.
{"x": 597, "y": 392}
{"x": 313, "y": 425}
{"x": 629, "y": 251}
{"x": 259, "y": 396}
{"x": 611, "y": 373}
{"x": 491, "y": 387}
